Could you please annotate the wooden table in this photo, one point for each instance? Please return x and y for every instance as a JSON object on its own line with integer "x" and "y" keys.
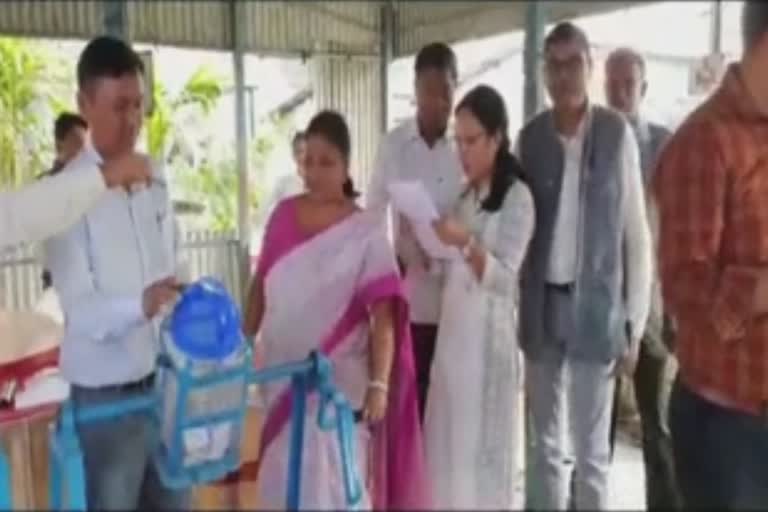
{"x": 24, "y": 436}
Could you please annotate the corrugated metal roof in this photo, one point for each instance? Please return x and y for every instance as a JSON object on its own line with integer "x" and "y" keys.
{"x": 420, "y": 23}
{"x": 197, "y": 23}
{"x": 51, "y": 18}
{"x": 279, "y": 27}
{"x": 350, "y": 85}
{"x": 296, "y": 27}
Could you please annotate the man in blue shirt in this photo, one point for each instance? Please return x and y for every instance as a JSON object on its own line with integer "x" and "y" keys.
{"x": 114, "y": 274}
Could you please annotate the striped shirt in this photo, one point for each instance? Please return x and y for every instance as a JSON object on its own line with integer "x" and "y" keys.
{"x": 712, "y": 191}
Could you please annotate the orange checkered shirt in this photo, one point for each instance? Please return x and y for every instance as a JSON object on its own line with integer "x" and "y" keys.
{"x": 712, "y": 192}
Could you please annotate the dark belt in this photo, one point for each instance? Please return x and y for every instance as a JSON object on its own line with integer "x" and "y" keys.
{"x": 561, "y": 288}
{"x": 136, "y": 386}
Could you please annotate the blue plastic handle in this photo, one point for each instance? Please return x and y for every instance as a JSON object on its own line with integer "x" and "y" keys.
{"x": 343, "y": 421}
{"x": 6, "y": 495}
{"x": 315, "y": 373}
{"x": 311, "y": 374}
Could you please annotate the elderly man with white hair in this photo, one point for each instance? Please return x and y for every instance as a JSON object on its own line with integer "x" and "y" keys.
{"x": 625, "y": 87}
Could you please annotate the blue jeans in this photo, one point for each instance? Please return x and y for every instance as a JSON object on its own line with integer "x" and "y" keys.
{"x": 721, "y": 455}
{"x": 117, "y": 454}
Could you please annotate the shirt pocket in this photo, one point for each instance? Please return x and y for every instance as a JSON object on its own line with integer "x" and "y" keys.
{"x": 155, "y": 225}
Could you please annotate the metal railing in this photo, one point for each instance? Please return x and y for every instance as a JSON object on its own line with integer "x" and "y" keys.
{"x": 207, "y": 253}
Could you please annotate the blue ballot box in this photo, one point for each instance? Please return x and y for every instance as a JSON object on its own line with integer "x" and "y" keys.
{"x": 205, "y": 367}
{"x": 202, "y": 386}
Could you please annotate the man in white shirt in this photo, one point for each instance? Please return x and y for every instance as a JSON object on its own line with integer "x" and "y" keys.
{"x": 114, "y": 274}
{"x": 290, "y": 184}
{"x": 69, "y": 133}
{"x": 421, "y": 150}
{"x": 625, "y": 86}
{"x": 586, "y": 285}
{"x": 49, "y": 206}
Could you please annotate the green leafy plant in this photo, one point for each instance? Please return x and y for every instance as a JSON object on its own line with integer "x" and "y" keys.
{"x": 198, "y": 97}
{"x": 31, "y": 91}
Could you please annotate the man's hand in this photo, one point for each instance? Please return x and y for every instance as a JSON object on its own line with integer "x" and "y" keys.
{"x": 125, "y": 170}
{"x": 159, "y": 295}
{"x": 628, "y": 362}
{"x": 407, "y": 236}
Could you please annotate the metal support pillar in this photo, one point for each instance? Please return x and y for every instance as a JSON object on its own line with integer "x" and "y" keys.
{"x": 533, "y": 101}
{"x": 116, "y": 18}
{"x": 716, "y": 28}
{"x": 535, "y": 23}
{"x": 386, "y": 55}
{"x": 238, "y": 28}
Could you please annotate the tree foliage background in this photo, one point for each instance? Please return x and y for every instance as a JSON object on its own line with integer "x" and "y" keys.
{"x": 36, "y": 84}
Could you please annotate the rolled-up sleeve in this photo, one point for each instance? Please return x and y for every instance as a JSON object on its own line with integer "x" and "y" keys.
{"x": 690, "y": 186}
{"x": 89, "y": 314}
{"x": 51, "y": 205}
{"x": 506, "y": 252}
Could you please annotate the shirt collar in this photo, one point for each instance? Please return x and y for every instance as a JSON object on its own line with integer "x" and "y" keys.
{"x": 640, "y": 127}
{"x": 735, "y": 94}
{"x": 581, "y": 130}
{"x": 90, "y": 152}
{"x": 476, "y": 196}
{"x": 415, "y": 135}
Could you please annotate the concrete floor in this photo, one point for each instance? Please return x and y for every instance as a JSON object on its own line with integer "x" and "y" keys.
{"x": 627, "y": 479}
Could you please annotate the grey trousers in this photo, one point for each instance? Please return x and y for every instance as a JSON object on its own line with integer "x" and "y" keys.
{"x": 570, "y": 402}
{"x": 119, "y": 471}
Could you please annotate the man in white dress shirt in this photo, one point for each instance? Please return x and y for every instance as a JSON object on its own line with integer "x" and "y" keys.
{"x": 113, "y": 272}
{"x": 422, "y": 150}
{"x": 586, "y": 286}
{"x": 625, "y": 87}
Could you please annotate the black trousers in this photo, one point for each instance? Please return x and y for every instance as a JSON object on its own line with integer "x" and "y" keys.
{"x": 721, "y": 455}
{"x": 652, "y": 396}
{"x": 423, "y": 342}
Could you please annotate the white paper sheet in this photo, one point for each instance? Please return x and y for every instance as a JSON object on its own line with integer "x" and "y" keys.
{"x": 411, "y": 200}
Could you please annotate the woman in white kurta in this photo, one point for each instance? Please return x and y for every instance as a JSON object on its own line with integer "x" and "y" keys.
{"x": 473, "y": 409}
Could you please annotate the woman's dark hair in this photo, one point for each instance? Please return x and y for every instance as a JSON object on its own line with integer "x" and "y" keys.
{"x": 487, "y": 106}
{"x": 332, "y": 127}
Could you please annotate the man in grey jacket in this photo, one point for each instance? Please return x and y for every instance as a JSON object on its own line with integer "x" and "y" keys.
{"x": 625, "y": 86}
{"x": 585, "y": 288}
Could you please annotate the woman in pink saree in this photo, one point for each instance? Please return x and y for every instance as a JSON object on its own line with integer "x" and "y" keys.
{"x": 327, "y": 280}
